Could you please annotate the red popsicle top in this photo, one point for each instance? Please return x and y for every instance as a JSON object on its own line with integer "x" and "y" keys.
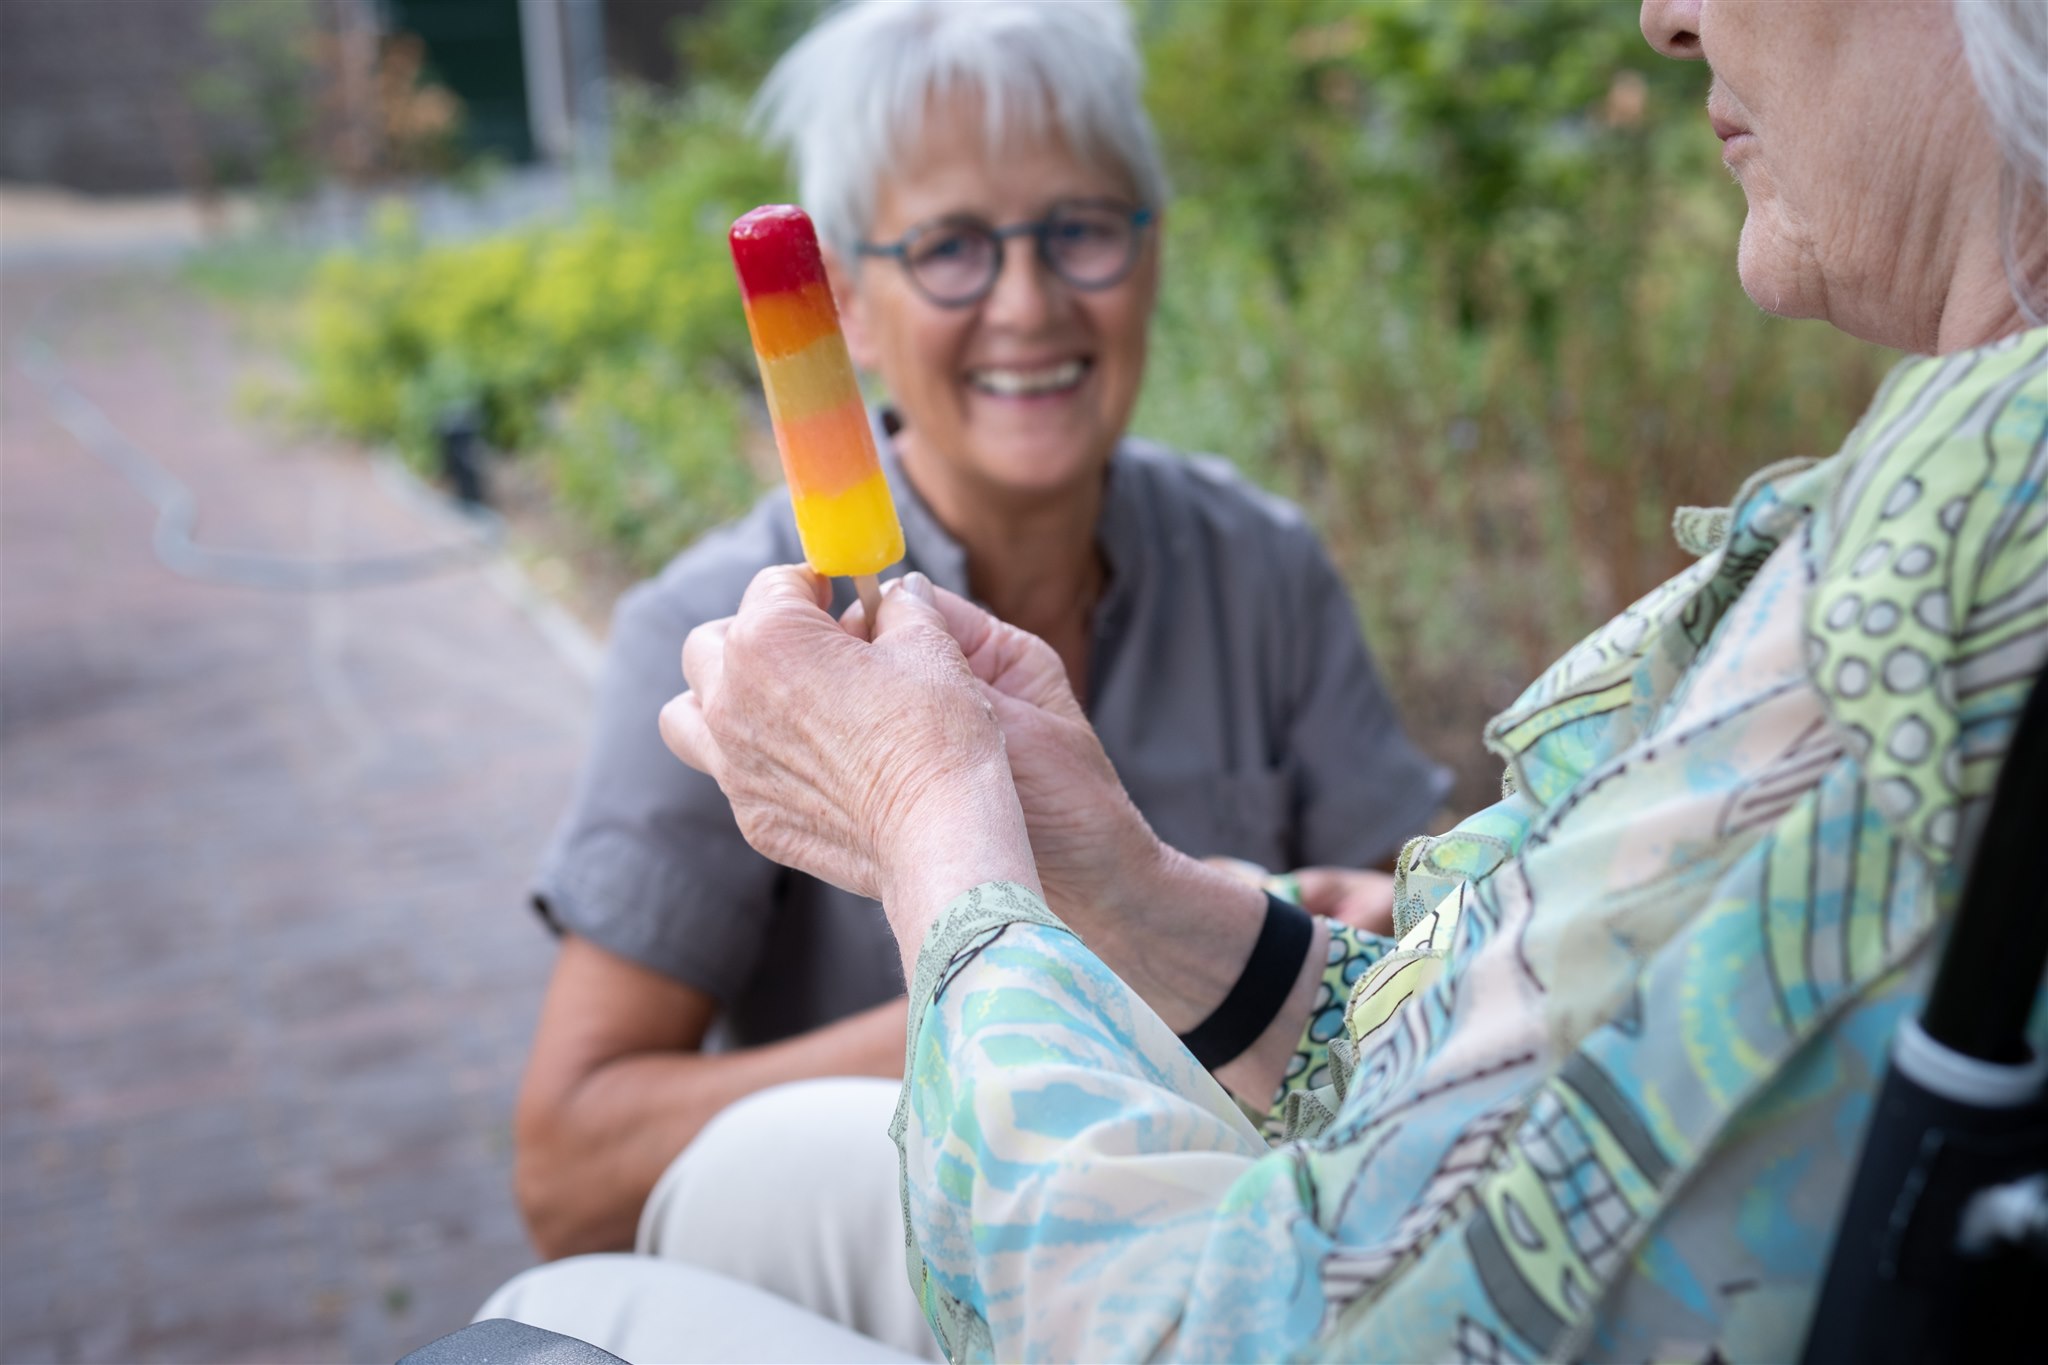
{"x": 775, "y": 248}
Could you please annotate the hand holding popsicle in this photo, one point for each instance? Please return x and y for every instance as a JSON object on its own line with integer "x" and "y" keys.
{"x": 844, "y": 515}
{"x": 877, "y": 767}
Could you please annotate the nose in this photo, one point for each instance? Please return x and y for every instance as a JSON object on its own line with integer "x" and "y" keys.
{"x": 1024, "y": 294}
{"x": 1673, "y": 27}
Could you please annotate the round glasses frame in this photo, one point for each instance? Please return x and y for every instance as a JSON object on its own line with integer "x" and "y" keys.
{"x": 1040, "y": 230}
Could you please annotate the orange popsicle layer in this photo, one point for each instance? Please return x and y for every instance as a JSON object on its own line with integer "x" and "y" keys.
{"x": 838, "y": 451}
{"x": 844, "y": 514}
{"x": 790, "y": 320}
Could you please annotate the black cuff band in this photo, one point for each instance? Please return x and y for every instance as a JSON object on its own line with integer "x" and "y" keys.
{"x": 1262, "y": 988}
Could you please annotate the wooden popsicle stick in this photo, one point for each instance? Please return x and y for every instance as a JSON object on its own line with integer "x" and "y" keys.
{"x": 869, "y": 586}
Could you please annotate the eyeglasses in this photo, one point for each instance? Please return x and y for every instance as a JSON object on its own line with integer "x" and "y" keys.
{"x": 955, "y": 261}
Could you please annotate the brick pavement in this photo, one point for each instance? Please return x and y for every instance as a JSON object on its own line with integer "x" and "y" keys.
{"x": 265, "y": 975}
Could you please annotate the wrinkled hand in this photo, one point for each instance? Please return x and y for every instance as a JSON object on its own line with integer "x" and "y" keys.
{"x": 872, "y": 766}
{"x": 1359, "y": 897}
{"x": 1176, "y": 931}
{"x": 1092, "y": 847}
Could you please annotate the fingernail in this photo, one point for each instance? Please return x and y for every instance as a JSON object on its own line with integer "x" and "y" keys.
{"x": 918, "y": 586}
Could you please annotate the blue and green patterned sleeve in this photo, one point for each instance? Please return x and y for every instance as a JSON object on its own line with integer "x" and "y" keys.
{"x": 1057, "y": 1140}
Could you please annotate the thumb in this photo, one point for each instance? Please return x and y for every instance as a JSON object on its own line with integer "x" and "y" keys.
{"x": 909, "y": 604}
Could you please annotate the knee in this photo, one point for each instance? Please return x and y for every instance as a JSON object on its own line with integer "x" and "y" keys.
{"x": 786, "y": 1120}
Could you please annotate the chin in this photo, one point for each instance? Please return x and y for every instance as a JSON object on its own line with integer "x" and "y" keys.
{"x": 1767, "y": 264}
{"x": 1032, "y": 472}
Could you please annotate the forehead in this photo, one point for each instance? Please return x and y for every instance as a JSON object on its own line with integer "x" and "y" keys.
{"x": 950, "y": 163}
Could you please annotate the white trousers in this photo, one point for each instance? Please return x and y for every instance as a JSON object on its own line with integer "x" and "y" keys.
{"x": 776, "y": 1236}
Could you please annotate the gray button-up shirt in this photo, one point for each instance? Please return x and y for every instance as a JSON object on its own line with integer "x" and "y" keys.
{"x": 1228, "y": 681}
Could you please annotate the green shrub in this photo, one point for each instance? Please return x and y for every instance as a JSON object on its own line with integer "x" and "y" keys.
{"x": 651, "y": 457}
{"x": 398, "y": 334}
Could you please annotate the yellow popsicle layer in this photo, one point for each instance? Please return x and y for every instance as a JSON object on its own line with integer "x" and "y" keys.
{"x": 850, "y": 533}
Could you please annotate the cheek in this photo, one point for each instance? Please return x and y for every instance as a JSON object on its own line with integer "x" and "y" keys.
{"x": 923, "y": 352}
{"x": 1120, "y": 323}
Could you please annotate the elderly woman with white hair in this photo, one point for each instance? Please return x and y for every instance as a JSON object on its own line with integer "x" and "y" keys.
{"x": 989, "y": 196}
{"x": 1598, "y": 1099}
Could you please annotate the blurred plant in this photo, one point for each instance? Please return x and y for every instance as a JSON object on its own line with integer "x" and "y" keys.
{"x": 381, "y": 115}
{"x": 734, "y": 42}
{"x": 255, "y": 98}
{"x": 286, "y": 101}
{"x": 611, "y": 344}
{"x": 651, "y": 457}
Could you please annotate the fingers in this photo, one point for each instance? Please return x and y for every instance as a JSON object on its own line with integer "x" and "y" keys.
{"x": 1321, "y": 891}
{"x": 909, "y": 619}
{"x": 704, "y": 657}
{"x": 911, "y": 604}
{"x": 786, "y": 586}
{"x": 1359, "y": 897}
{"x": 965, "y": 622}
{"x": 687, "y": 736}
{"x": 1014, "y": 662}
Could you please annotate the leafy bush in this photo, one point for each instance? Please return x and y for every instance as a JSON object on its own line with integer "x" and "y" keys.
{"x": 611, "y": 345}
{"x": 1455, "y": 274}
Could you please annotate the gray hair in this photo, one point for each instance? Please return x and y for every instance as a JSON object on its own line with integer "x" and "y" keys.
{"x": 854, "y": 90}
{"x": 2006, "y": 43}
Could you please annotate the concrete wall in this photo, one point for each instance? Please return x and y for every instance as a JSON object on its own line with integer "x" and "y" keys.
{"x": 91, "y": 92}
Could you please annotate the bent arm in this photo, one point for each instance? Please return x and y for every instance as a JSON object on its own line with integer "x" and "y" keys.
{"x": 1077, "y": 1187}
{"x": 615, "y": 1089}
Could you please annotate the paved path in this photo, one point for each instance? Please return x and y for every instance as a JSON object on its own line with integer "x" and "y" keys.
{"x": 266, "y": 978}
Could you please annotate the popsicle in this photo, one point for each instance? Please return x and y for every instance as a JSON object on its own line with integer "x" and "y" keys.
{"x": 844, "y": 515}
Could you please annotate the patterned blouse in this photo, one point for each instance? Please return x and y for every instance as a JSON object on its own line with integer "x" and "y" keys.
{"x": 1602, "y": 1097}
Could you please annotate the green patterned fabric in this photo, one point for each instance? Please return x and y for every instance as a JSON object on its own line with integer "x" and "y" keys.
{"x": 1601, "y": 1097}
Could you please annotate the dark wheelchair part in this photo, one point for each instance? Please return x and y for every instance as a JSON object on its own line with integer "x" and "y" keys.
{"x": 1942, "y": 1251}
{"x": 501, "y": 1341}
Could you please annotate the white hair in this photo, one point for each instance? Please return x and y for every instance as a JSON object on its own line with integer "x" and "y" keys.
{"x": 848, "y": 99}
{"x": 2006, "y": 43}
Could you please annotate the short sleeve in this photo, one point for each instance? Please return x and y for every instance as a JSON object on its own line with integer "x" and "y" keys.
{"x": 1364, "y": 787}
{"x": 648, "y": 862}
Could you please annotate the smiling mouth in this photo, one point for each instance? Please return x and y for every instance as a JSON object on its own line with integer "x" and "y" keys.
{"x": 1035, "y": 382}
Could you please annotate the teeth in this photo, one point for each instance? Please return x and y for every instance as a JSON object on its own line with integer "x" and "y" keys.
{"x": 1017, "y": 383}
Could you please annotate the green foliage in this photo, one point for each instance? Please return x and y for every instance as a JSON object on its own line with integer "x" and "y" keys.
{"x": 258, "y": 84}
{"x": 611, "y": 344}
{"x": 734, "y": 43}
{"x": 650, "y": 458}
{"x": 1455, "y": 274}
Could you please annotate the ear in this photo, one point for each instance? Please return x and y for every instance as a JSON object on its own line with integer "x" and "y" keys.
{"x": 853, "y": 319}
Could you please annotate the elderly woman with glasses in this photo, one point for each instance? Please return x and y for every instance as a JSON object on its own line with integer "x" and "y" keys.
{"x": 989, "y": 196}
{"x": 1598, "y": 1100}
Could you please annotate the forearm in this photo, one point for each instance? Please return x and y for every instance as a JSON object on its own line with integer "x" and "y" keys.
{"x": 966, "y": 831}
{"x": 1179, "y": 932}
{"x": 1074, "y": 1176}
{"x": 590, "y": 1152}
